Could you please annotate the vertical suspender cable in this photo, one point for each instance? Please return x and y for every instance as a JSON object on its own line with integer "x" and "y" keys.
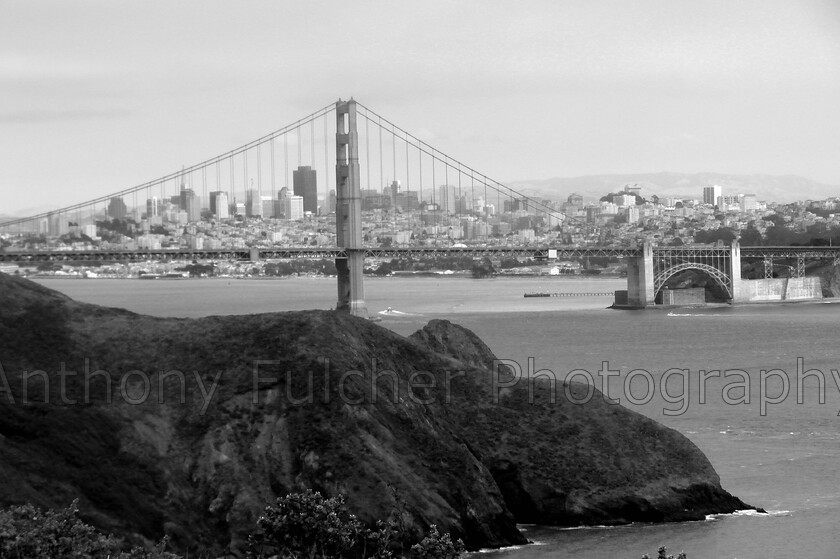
{"x": 245, "y": 175}
{"x": 326, "y": 162}
{"x": 367, "y": 151}
{"x": 420, "y": 179}
{"x": 232, "y": 187}
{"x": 393, "y": 171}
{"x": 408, "y": 188}
{"x": 299, "y": 143}
{"x": 273, "y": 178}
{"x": 204, "y": 188}
{"x": 382, "y": 181}
{"x": 259, "y": 172}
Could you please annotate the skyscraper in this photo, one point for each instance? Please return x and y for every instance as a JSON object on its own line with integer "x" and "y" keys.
{"x": 116, "y": 208}
{"x": 253, "y": 203}
{"x": 215, "y": 204}
{"x": 222, "y": 210}
{"x": 711, "y": 194}
{"x": 192, "y": 205}
{"x": 152, "y": 207}
{"x": 305, "y": 183}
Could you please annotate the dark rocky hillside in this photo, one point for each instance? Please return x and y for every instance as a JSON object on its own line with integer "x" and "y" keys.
{"x": 189, "y": 427}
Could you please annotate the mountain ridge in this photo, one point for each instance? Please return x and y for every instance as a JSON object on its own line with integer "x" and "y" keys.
{"x": 769, "y": 188}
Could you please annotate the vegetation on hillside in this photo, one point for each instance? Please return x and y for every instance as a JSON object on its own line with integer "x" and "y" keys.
{"x": 298, "y": 525}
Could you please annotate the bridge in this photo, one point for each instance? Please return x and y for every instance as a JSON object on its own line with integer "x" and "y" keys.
{"x": 449, "y": 214}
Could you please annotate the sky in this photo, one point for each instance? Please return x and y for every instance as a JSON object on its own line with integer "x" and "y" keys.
{"x": 98, "y": 96}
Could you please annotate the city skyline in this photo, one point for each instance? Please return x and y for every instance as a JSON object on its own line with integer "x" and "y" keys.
{"x": 99, "y": 98}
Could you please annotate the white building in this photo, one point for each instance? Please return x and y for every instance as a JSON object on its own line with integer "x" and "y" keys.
{"x": 222, "y": 206}
{"x": 293, "y": 207}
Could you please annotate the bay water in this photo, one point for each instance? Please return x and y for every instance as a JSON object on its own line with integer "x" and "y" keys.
{"x": 768, "y": 420}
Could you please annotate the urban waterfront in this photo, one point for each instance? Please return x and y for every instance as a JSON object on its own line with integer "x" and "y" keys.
{"x": 783, "y": 461}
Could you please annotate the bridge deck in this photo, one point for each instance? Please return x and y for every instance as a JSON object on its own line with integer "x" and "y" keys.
{"x": 34, "y": 256}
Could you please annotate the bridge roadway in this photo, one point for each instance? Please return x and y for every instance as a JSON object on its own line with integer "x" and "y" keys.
{"x": 35, "y": 256}
{"x": 538, "y": 253}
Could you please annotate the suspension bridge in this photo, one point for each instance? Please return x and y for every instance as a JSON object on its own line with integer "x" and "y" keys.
{"x": 385, "y": 193}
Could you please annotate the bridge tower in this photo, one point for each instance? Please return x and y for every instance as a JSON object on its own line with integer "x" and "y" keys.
{"x": 640, "y": 288}
{"x": 348, "y": 212}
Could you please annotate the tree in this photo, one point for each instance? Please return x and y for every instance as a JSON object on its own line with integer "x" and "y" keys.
{"x": 483, "y": 269}
{"x": 309, "y": 525}
{"x": 750, "y": 236}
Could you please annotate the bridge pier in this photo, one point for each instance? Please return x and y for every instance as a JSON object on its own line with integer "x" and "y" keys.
{"x": 640, "y": 289}
{"x": 735, "y": 283}
{"x": 348, "y": 212}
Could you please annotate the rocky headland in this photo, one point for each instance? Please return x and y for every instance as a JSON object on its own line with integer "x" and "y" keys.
{"x": 189, "y": 427}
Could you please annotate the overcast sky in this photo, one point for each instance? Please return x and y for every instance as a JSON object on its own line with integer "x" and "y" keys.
{"x": 97, "y": 96}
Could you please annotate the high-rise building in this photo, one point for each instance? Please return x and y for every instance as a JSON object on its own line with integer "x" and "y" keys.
{"x": 58, "y": 224}
{"x": 394, "y": 190}
{"x": 116, "y": 208}
{"x": 222, "y": 209}
{"x": 192, "y": 205}
{"x": 152, "y": 207}
{"x": 749, "y": 203}
{"x": 214, "y": 202}
{"x": 711, "y": 194}
{"x": 305, "y": 184}
{"x": 293, "y": 207}
{"x": 331, "y": 202}
{"x": 267, "y": 205}
{"x": 253, "y": 203}
{"x": 446, "y": 199}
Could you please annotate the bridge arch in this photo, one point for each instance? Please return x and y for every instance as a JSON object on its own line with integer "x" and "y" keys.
{"x": 719, "y": 276}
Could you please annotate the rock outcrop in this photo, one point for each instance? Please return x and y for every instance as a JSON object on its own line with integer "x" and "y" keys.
{"x": 189, "y": 427}
{"x": 562, "y": 455}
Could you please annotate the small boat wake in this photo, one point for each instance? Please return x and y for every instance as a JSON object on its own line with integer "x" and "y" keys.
{"x": 391, "y": 312}
{"x": 671, "y": 313}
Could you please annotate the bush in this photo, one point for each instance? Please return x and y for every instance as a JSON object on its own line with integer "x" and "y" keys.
{"x": 299, "y": 525}
{"x": 308, "y": 525}
{"x": 26, "y": 532}
{"x": 662, "y": 551}
{"x": 435, "y": 546}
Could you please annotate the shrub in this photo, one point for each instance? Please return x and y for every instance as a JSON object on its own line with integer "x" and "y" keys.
{"x": 308, "y": 525}
{"x": 299, "y": 525}
{"x": 435, "y": 546}
{"x": 662, "y": 551}
{"x": 25, "y": 531}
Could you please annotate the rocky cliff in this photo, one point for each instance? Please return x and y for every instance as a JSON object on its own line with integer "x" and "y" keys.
{"x": 189, "y": 427}
{"x": 578, "y": 460}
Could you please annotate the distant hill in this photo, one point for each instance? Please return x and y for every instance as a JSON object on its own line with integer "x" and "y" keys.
{"x": 770, "y": 188}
